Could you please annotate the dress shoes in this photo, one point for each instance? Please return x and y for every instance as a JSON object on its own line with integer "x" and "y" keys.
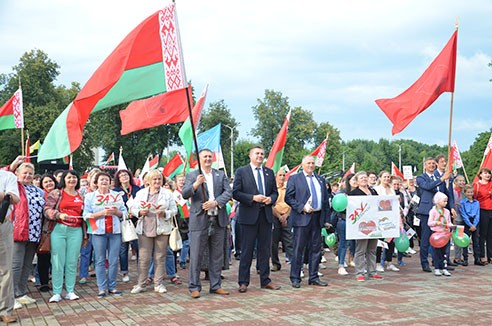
{"x": 296, "y": 285}
{"x": 271, "y": 286}
{"x": 195, "y": 294}
{"x": 243, "y": 288}
{"x": 318, "y": 283}
{"x": 220, "y": 291}
{"x": 479, "y": 263}
{"x": 8, "y": 319}
{"x": 275, "y": 268}
{"x": 426, "y": 269}
{"x": 452, "y": 263}
{"x": 450, "y": 268}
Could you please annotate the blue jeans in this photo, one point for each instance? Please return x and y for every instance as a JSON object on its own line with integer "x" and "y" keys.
{"x": 109, "y": 244}
{"x": 343, "y": 243}
{"x": 124, "y": 255}
{"x": 184, "y": 252}
{"x": 170, "y": 263}
{"x": 85, "y": 258}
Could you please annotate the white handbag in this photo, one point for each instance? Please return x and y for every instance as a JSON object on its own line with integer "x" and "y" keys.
{"x": 128, "y": 232}
{"x": 175, "y": 241}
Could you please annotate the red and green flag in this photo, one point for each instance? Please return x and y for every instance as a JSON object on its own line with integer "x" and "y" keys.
{"x": 147, "y": 62}
{"x": 91, "y": 225}
{"x": 154, "y": 163}
{"x": 274, "y": 160}
{"x": 12, "y": 112}
{"x": 174, "y": 167}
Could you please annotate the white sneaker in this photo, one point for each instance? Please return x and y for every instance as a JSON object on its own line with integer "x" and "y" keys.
{"x": 322, "y": 266}
{"x": 160, "y": 288}
{"x": 125, "y": 278}
{"x": 379, "y": 268}
{"x": 17, "y": 305}
{"x": 352, "y": 264}
{"x": 345, "y": 264}
{"x": 71, "y": 296}
{"x": 137, "y": 289}
{"x": 133, "y": 257}
{"x": 55, "y": 298}
{"x": 323, "y": 259}
{"x": 26, "y": 300}
{"x": 392, "y": 268}
{"x": 437, "y": 272}
{"x": 411, "y": 251}
{"x": 320, "y": 274}
{"x": 445, "y": 272}
{"x": 302, "y": 273}
{"x": 342, "y": 271}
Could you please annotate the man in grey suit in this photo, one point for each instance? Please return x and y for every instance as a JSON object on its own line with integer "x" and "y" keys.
{"x": 209, "y": 191}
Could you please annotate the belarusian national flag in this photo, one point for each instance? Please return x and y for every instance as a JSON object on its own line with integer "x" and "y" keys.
{"x": 455, "y": 162}
{"x": 110, "y": 158}
{"x": 320, "y": 152}
{"x": 147, "y": 62}
{"x": 154, "y": 163}
{"x": 12, "y": 112}
{"x": 173, "y": 167}
{"x": 487, "y": 155}
{"x": 276, "y": 154}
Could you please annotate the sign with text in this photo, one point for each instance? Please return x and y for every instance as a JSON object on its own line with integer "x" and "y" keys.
{"x": 373, "y": 217}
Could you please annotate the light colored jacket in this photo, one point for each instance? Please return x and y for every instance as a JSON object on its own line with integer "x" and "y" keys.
{"x": 95, "y": 202}
{"x": 165, "y": 201}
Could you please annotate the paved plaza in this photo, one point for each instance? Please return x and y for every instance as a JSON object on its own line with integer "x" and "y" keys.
{"x": 408, "y": 297}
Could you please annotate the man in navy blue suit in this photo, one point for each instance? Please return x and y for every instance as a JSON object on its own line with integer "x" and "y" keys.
{"x": 255, "y": 189}
{"x": 428, "y": 184}
{"x": 308, "y": 197}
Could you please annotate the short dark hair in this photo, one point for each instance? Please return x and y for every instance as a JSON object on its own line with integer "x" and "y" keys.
{"x": 58, "y": 171}
{"x": 440, "y": 156}
{"x": 101, "y": 174}
{"x": 50, "y": 176}
{"x": 117, "y": 183}
{"x": 67, "y": 172}
{"x": 204, "y": 150}
{"x": 255, "y": 147}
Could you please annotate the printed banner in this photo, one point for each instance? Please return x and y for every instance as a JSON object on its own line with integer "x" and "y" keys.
{"x": 373, "y": 217}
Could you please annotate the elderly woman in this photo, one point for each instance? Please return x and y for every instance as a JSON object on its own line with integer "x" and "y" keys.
{"x": 47, "y": 183}
{"x": 365, "y": 249}
{"x": 123, "y": 183}
{"x": 154, "y": 206}
{"x": 28, "y": 218}
{"x": 103, "y": 209}
{"x": 65, "y": 207}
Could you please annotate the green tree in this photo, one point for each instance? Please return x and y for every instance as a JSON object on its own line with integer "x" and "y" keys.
{"x": 333, "y": 155}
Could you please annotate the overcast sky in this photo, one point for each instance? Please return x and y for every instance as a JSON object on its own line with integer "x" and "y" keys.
{"x": 333, "y": 58}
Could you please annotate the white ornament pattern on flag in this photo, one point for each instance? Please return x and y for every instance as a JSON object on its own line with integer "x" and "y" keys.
{"x": 489, "y": 146}
{"x": 171, "y": 49}
{"x": 321, "y": 154}
{"x": 18, "y": 109}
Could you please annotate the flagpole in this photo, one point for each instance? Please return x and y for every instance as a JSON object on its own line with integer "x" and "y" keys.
{"x": 456, "y": 25}
{"x": 466, "y": 175}
{"x": 22, "y": 142}
{"x": 194, "y": 138}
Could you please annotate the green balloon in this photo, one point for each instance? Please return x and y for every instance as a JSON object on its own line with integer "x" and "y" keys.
{"x": 462, "y": 242}
{"x": 331, "y": 239}
{"x": 339, "y": 202}
{"x": 323, "y": 232}
{"x": 402, "y": 243}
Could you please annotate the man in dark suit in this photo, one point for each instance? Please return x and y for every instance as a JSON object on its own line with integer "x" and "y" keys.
{"x": 256, "y": 191}
{"x": 209, "y": 192}
{"x": 428, "y": 184}
{"x": 308, "y": 197}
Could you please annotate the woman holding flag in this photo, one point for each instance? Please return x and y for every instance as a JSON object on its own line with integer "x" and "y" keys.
{"x": 65, "y": 207}
{"x": 103, "y": 209}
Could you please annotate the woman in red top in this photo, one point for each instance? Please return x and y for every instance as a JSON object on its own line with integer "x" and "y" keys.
{"x": 483, "y": 193}
{"x": 65, "y": 207}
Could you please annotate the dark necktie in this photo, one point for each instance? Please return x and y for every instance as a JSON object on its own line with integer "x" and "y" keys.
{"x": 314, "y": 195}
{"x": 260, "y": 184}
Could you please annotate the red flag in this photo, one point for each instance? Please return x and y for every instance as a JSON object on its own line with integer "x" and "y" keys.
{"x": 172, "y": 165}
{"x": 276, "y": 154}
{"x": 320, "y": 153}
{"x": 293, "y": 171}
{"x": 437, "y": 79}
{"x": 396, "y": 171}
{"x": 110, "y": 158}
{"x": 154, "y": 163}
{"x": 487, "y": 160}
{"x": 28, "y": 145}
{"x": 166, "y": 108}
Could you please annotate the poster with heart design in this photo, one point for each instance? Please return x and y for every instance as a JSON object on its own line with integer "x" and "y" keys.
{"x": 372, "y": 217}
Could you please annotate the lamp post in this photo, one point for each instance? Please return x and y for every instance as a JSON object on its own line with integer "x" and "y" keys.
{"x": 232, "y": 147}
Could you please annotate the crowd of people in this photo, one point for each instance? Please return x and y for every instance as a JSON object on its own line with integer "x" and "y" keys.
{"x": 219, "y": 219}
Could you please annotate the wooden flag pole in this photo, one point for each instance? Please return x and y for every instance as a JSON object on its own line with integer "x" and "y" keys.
{"x": 456, "y": 24}
{"x": 22, "y": 142}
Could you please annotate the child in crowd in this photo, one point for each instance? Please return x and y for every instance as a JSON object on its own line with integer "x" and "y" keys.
{"x": 440, "y": 221}
{"x": 470, "y": 212}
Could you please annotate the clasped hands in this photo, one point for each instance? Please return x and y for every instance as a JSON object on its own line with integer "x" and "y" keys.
{"x": 158, "y": 213}
{"x": 262, "y": 199}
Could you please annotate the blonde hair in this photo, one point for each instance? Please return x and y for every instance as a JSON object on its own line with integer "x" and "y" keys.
{"x": 149, "y": 176}
{"x": 25, "y": 165}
